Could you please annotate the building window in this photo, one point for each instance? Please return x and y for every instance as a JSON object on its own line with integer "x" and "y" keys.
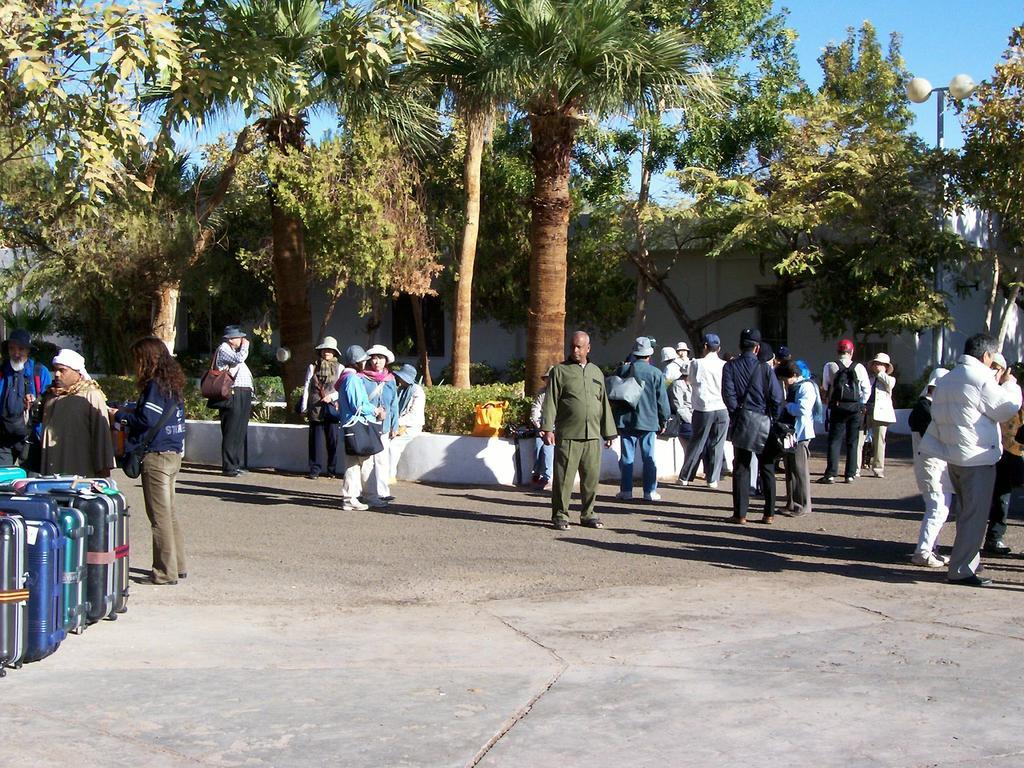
{"x": 403, "y": 327}
{"x": 773, "y": 316}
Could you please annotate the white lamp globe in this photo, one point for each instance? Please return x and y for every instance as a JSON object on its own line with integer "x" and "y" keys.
{"x": 918, "y": 90}
{"x": 283, "y": 354}
{"x": 961, "y": 86}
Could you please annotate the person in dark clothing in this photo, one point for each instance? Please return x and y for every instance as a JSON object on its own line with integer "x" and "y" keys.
{"x": 318, "y": 394}
{"x": 751, "y": 385}
{"x": 162, "y": 383}
{"x": 234, "y": 418}
{"x": 640, "y": 426}
{"x": 23, "y": 382}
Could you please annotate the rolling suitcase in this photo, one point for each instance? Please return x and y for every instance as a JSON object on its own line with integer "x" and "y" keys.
{"x": 45, "y": 565}
{"x": 121, "y": 549}
{"x": 74, "y": 574}
{"x": 45, "y": 547}
{"x": 13, "y": 592}
{"x": 9, "y": 475}
{"x": 103, "y": 587}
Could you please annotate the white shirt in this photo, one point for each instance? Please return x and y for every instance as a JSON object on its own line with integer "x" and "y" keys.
{"x": 859, "y": 371}
{"x": 706, "y": 380}
{"x": 413, "y": 417}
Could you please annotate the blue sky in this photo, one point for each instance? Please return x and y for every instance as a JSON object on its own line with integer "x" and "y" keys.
{"x": 941, "y": 38}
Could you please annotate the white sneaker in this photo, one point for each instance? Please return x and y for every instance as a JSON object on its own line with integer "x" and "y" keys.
{"x": 652, "y": 496}
{"x": 353, "y": 505}
{"x": 624, "y": 495}
{"x": 927, "y": 560}
{"x": 683, "y": 482}
{"x": 712, "y": 485}
{"x": 878, "y": 472}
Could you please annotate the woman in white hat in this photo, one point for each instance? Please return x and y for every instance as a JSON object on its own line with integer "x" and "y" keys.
{"x": 319, "y": 403}
{"x": 383, "y": 393}
{"x": 880, "y": 413}
{"x": 76, "y": 426}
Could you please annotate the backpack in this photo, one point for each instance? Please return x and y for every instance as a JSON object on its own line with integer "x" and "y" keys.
{"x": 845, "y": 391}
{"x": 818, "y": 409}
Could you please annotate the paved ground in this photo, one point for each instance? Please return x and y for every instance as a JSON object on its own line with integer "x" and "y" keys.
{"x": 457, "y": 629}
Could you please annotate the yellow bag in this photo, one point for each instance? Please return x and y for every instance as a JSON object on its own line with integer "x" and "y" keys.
{"x": 489, "y": 416}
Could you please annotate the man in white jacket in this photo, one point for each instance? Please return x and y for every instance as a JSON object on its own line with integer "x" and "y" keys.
{"x": 967, "y": 407}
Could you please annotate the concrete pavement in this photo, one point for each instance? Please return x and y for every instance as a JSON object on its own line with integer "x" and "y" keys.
{"x": 457, "y": 630}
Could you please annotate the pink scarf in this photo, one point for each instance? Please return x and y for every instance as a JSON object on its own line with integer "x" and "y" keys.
{"x": 379, "y": 376}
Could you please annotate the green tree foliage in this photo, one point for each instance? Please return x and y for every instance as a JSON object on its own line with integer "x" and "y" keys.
{"x": 69, "y": 73}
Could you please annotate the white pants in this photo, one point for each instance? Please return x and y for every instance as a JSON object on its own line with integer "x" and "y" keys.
{"x": 398, "y": 445}
{"x": 936, "y": 510}
{"x": 352, "y": 484}
{"x": 377, "y": 472}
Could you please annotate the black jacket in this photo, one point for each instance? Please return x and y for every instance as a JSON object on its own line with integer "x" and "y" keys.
{"x": 747, "y": 381}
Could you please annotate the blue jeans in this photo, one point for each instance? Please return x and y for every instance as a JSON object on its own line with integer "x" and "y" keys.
{"x": 544, "y": 459}
{"x": 628, "y": 440}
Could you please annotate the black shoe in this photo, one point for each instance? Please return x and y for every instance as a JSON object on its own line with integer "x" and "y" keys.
{"x": 592, "y": 522}
{"x": 163, "y": 583}
{"x": 232, "y": 473}
{"x": 311, "y": 476}
{"x": 826, "y": 480}
{"x": 182, "y": 575}
{"x": 971, "y": 581}
{"x": 560, "y": 525}
{"x": 997, "y": 548}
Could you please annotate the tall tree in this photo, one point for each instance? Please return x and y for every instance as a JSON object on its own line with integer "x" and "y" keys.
{"x": 570, "y": 61}
{"x": 992, "y": 171}
{"x": 461, "y": 56}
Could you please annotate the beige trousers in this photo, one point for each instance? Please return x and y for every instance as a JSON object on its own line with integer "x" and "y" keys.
{"x": 159, "y": 471}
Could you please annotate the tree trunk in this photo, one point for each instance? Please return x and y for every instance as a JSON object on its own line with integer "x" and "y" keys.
{"x": 476, "y": 132}
{"x": 990, "y": 300}
{"x": 642, "y": 255}
{"x": 164, "y": 324}
{"x": 553, "y": 136}
{"x": 291, "y": 289}
{"x": 421, "y": 339}
{"x": 1008, "y": 312}
{"x": 640, "y": 315}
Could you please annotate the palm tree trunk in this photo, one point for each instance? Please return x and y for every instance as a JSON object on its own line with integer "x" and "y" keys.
{"x": 553, "y": 136}
{"x": 476, "y": 131}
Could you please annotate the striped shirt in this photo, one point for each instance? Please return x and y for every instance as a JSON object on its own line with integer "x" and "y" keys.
{"x": 229, "y": 357}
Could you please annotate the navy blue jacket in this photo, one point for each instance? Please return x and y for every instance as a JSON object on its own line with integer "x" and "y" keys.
{"x": 747, "y": 375}
{"x": 145, "y": 416}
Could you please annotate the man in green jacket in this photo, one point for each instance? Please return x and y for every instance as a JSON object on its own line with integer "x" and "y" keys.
{"x": 575, "y": 419}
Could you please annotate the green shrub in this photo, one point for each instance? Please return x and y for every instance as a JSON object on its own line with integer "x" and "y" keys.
{"x": 452, "y": 411}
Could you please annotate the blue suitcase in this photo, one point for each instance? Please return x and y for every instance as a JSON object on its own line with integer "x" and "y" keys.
{"x": 45, "y": 561}
{"x": 61, "y": 483}
{"x": 13, "y": 592}
{"x": 45, "y": 553}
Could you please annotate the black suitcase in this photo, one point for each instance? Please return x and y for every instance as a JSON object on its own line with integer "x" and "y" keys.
{"x": 104, "y": 589}
{"x": 13, "y": 592}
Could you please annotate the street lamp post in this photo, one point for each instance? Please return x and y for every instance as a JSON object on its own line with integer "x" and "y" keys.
{"x": 918, "y": 91}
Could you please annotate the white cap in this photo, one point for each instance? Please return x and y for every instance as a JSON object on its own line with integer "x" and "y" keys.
{"x": 937, "y": 374}
{"x": 682, "y": 346}
{"x": 668, "y": 354}
{"x": 71, "y": 359}
{"x": 998, "y": 359}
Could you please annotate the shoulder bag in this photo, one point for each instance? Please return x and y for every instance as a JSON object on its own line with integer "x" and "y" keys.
{"x": 625, "y": 389}
{"x": 216, "y": 385}
{"x": 748, "y": 430}
{"x": 131, "y": 461}
{"x": 362, "y": 438}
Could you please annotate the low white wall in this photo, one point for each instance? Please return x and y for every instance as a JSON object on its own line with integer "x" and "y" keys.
{"x": 457, "y": 459}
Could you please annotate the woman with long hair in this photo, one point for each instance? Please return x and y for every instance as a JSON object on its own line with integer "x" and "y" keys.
{"x": 162, "y": 386}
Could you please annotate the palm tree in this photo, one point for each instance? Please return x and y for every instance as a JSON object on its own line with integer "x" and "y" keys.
{"x": 279, "y": 60}
{"x": 461, "y": 56}
{"x": 568, "y": 61}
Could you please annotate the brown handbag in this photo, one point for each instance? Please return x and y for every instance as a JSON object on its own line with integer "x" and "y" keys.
{"x": 216, "y": 385}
